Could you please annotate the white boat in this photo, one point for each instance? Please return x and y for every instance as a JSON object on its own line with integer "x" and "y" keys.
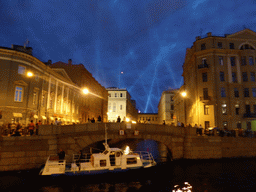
{"x": 111, "y": 160}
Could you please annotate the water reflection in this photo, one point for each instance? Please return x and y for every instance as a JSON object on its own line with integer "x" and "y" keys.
{"x": 186, "y": 187}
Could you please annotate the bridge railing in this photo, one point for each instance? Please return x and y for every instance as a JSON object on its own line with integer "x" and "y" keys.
{"x": 142, "y": 128}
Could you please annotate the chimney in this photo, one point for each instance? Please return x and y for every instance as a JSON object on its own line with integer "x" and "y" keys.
{"x": 70, "y": 61}
{"x": 198, "y": 37}
{"x": 209, "y": 34}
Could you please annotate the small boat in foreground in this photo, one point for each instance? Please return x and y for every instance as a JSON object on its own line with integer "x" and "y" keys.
{"x": 111, "y": 160}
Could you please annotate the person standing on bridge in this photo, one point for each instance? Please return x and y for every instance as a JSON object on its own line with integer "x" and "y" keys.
{"x": 31, "y": 127}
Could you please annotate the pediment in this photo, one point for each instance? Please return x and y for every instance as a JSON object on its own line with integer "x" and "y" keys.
{"x": 244, "y": 34}
{"x": 62, "y": 72}
{"x": 21, "y": 83}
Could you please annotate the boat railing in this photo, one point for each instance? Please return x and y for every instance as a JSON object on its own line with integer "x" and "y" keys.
{"x": 54, "y": 160}
{"x": 145, "y": 156}
{"x": 78, "y": 158}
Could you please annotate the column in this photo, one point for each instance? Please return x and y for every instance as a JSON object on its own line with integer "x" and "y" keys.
{"x": 62, "y": 95}
{"x": 49, "y": 93}
{"x": 56, "y": 96}
{"x": 229, "y": 70}
{"x": 238, "y": 70}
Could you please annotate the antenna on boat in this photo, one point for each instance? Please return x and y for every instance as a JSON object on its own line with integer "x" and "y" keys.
{"x": 106, "y": 135}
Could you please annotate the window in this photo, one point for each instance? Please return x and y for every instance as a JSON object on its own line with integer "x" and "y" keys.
{"x": 115, "y": 94}
{"x": 35, "y": 98}
{"x": 221, "y": 60}
{"x": 206, "y": 109}
{"x": 246, "y": 46}
{"x": 243, "y": 60}
{"x": 109, "y": 95}
{"x": 222, "y": 78}
{"x": 18, "y": 94}
{"x": 220, "y": 45}
{"x": 43, "y": 99}
{"x": 223, "y": 92}
{"x": 204, "y": 61}
{"x": 244, "y": 75}
{"x": 246, "y": 92}
{"x": 236, "y": 92}
{"x": 171, "y": 115}
{"x": 21, "y": 70}
{"x": 237, "y": 109}
{"x": 233, "y": 61}
{"x": 204, "y": 76}
{"x": 253, "y": 76}
{"x": 231, "y": 46}
{"x": 247, "y": 109}
{"x": 224, "y": 109}
{"x": 203, "y": 47}
{"x": 130, "y": 161}
{"x": 172, "y": 107}
{"x": 114, "y": 107}
{"x": 121, "y": 107}
{"x": 172, "y": 98}
{"x": 51, "y": 102}
{"x": 103, "y": 163}
{"x": 109, "y": 107}
{"x": 234, "y": 77}
{"x": 205, "y": 93}
{"x": 254, "y": 109}
{"x": 251, "y": 61}
{"x": 121, "y": 94}
{"x": 225, "y": 124}
{"x": 254, "y": 92}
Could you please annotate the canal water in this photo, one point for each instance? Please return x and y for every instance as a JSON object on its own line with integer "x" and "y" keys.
{"x": 202, "y": 175}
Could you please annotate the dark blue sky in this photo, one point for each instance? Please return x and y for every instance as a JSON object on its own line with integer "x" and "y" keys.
{"x": 144, "y": 39}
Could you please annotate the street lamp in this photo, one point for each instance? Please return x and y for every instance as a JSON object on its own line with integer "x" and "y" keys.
{"x": 29, "y": 75}
{"x": 85, "y": 91}
{"x": 184, "y": 94}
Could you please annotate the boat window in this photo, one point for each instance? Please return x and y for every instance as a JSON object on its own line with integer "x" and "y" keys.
{"x": 131, "y": 161}
{"x": 103, "y": 163}
{"x": 105, "y": 152}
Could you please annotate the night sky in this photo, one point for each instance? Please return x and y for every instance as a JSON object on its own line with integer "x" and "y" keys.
{"x": 135, "y": 44}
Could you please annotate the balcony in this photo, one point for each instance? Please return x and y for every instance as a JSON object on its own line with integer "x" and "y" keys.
{"x": 250, "y": 115}
{"x": 203, "y": 66}
{"x": 206, "y": 99}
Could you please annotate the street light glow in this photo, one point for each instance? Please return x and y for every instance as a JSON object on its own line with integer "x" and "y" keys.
{"x": 85, "y": 91}
{"x": 184, "y": 94}
{"x": 29, "y": 74}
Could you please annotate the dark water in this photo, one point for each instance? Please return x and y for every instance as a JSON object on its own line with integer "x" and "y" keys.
{"x": 202, "y": 175}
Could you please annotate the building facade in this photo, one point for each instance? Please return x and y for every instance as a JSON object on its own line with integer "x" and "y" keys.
{"x": 120, "y": 104}
{"x": 166, "y": 107}
{"x": 96, "y": 101}
{"x": 31, "y": 90}
{"x": 150, "y": 118}
{"x": 219, "y": 79}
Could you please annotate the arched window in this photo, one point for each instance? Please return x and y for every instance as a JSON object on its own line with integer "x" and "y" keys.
{"x": 246, "y": 46}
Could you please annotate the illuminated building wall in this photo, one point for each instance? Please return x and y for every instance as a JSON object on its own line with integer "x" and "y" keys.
{"x": 166, "y": 107}
{"x": 151, "y": 118}
{"x": 46, "y": 95}
{"x": 97, "y": 100}
{"x": 219, "y": 78}
{"x": 120, "y": 104}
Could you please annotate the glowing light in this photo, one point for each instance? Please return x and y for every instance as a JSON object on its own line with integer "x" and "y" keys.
{"x": 127, "y": 150}
{"x": 127, "y": 119}
{"x": 184, "y": 94}
{"x": 134, "y": 122}
{"x": 122, "y": 72}
{"x": 30, "y": 74}
{"x": 185, "y": 188}
{"x": 85, "y": 91}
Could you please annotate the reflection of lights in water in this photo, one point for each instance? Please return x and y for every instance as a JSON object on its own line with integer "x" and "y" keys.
{"x": 127, "y": 150}
{"x": 186, "y": 187}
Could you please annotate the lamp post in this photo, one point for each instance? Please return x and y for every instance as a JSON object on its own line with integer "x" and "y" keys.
{"x": 29, "y": 75}
{"x": 184, "y": 94}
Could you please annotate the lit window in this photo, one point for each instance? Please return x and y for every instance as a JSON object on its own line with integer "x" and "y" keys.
{"x": 221, "y": 60}
{"x": 237, "y": 109}
{"x": 206, "y": 109}
{"x": 21, "y": 70}
{"x": 18, "y": 94}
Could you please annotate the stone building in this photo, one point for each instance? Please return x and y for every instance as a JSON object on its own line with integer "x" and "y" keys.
{"x": 166, "y": 107}
{"x": 151, "y": 118}
{"x": 219, "y": 79}
{"x": 96, "y": 101}
{"x": 31, "y": 90}
{"x": 121, "y": 104}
